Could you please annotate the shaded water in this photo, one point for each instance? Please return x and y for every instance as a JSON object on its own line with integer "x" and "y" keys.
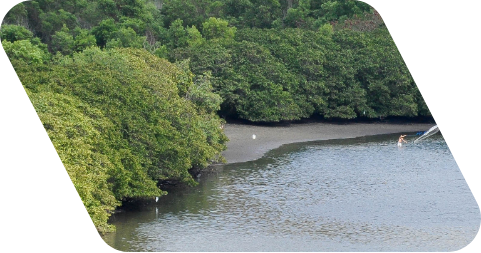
{"x": 362, "y": 194}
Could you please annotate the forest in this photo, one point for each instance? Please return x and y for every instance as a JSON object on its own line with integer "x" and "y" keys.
{"x": 134, "y": 93}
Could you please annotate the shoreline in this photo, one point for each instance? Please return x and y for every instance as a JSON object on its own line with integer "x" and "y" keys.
{"x": 243, "y": 148}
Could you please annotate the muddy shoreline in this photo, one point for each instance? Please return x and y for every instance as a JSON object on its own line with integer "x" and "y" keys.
{"x": 242, "y": 147}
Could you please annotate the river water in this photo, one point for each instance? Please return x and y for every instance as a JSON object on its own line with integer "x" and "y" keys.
{"x": 362, "y": 194}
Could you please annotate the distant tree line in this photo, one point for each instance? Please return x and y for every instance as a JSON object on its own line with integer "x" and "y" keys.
{"x": 270, "y": 60}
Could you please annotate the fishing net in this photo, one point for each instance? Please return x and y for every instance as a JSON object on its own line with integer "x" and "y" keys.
{"x": 432, "y": 131}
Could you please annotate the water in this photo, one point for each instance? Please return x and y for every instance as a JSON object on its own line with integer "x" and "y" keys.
{"x": 362, "y": 194}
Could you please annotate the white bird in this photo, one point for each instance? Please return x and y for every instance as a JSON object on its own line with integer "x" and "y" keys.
{"x": 156, "y": 199}
{"x": 253, "y": 136}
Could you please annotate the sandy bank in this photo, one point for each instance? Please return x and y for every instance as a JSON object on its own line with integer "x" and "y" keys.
{"x": 242, "y": 147}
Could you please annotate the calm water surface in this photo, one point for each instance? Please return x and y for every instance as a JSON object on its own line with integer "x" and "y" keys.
{"x": 362, "y": 194}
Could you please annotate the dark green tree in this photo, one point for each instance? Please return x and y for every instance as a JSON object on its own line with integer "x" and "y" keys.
{"x": 63, "y": 41}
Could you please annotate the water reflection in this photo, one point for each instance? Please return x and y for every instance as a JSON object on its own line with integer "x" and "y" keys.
{"x": 363, "y": 194}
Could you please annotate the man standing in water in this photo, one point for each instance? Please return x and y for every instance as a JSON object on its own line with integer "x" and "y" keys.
{"x": 401, "y": 140}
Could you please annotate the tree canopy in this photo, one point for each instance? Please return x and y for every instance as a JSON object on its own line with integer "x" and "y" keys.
{"x": 122, "y": 121}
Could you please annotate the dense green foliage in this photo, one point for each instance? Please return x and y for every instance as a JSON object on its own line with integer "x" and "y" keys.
{"x": 289, "y": 74}
{"x": 123, "y": 119}
{"x": 270, "y": 60}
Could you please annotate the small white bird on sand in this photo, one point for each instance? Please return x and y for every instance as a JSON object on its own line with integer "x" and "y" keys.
{"x": 253, "y": 136}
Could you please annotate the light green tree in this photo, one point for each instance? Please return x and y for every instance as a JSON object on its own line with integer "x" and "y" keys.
{"x": 25, "y": 51}
{"x": 218, "y": 30}
{"x": 194, "y": 37}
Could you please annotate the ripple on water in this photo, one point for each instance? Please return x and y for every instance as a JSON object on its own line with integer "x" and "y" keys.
{"x": 351, "y": 195}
